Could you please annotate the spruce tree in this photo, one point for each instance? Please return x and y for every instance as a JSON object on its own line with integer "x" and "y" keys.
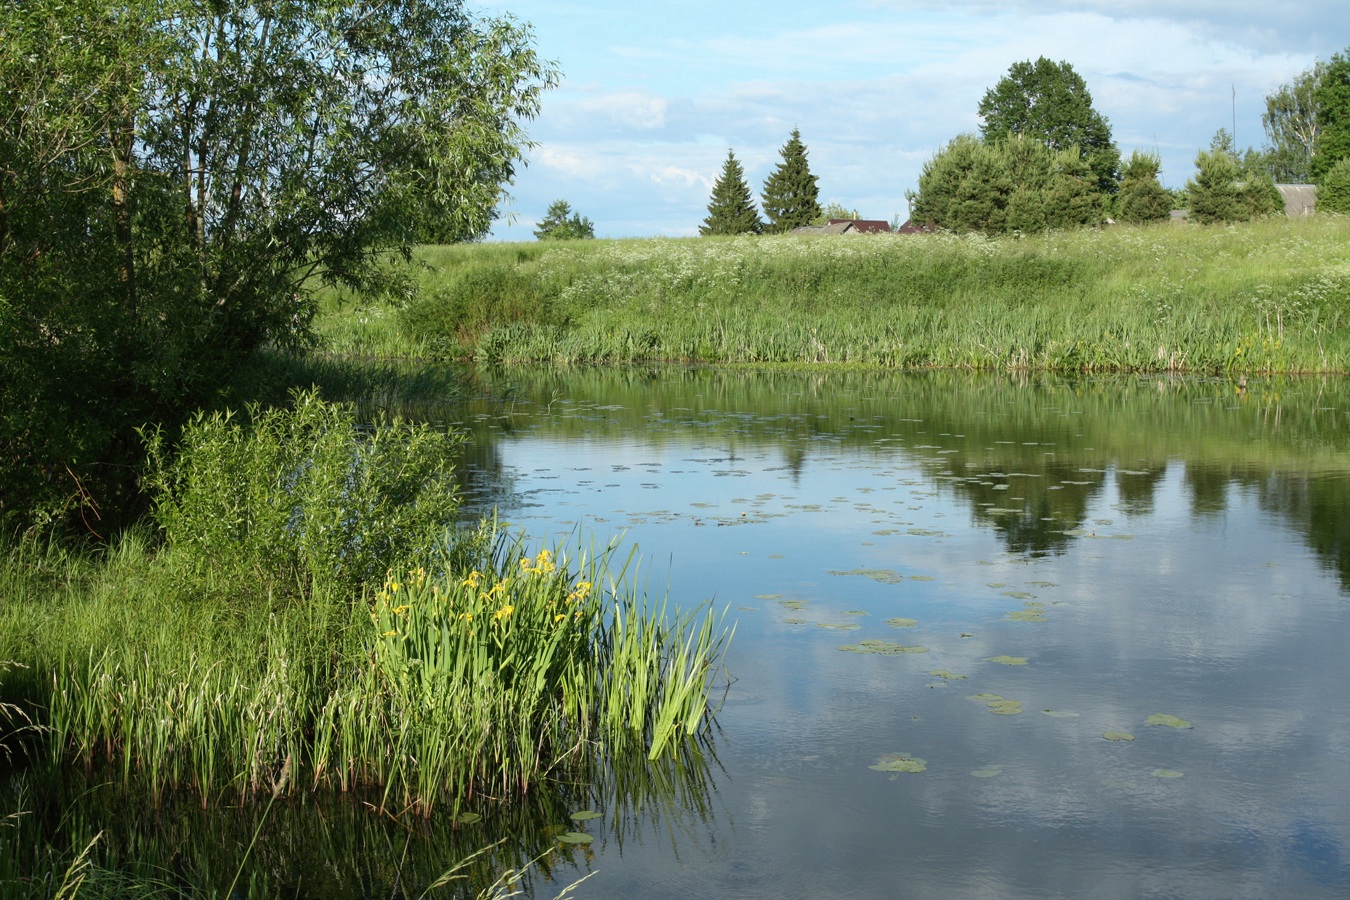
{"x": 732, "y": 208}
{"x": 791, "y": 195}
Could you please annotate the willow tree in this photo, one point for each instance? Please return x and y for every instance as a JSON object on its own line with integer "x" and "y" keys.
{"x": 178, "y": 177}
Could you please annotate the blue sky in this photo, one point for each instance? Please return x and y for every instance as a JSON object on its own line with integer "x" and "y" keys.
{"x": 654, "y": 94}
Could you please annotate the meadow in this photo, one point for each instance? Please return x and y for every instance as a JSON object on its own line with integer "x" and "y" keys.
{"x": 1267, "y": 296}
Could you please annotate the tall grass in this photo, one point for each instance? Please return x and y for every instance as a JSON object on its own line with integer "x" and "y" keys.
{"x": 1268, "y": 296}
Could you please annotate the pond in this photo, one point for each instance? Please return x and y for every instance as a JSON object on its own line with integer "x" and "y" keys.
{"x": 996, "y": 636}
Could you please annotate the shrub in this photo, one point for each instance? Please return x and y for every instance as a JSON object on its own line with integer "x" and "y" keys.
{"x": 453, "y": 317}
{"x": 304, "y": 494}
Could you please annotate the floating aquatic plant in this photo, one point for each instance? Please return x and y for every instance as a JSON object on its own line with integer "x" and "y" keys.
{"x": 899, "y": 762}
{"x": 901, "y": 622}
{"x": 583, "y": 815}
{"x": 885, "y": 576}
{"x": 945, "y": 675}
{"x": 575, "y": 837}
{"x": 1118, "y": 736}
{"x": 1007, "y": 660}
{"x": 1169, "y": 721}
{"x": 886, "y": 648}
{"x": 988, "y": 772}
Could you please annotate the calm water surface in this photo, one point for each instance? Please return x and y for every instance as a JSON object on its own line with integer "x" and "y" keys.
{"x": 1148, "y": 547}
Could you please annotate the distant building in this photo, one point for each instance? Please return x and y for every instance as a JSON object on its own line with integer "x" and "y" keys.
{"x": 1299, "y": 199}
{"x": 910, "y": 228}
{"x": 846, "y": 226}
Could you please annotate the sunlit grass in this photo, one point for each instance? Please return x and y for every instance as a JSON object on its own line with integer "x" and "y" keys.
{"x": 1265, "y": 296}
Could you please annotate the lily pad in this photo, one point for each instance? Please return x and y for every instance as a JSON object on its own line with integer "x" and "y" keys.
{"x": 945, "y": 675}
{"x": 1007, "y": 660}
{"x": 795, "y": 622}
{"x": 1167, "y": 773}
{"x": 885, "y": 576}
{"x": 1025, "y": 615}
{"x": 1118, "y": 736}
{"x": 767, "y": 596}
{"x": 886, "y": 648}
{"x": 1019, "y": 595}
{"x": 856, "y": 612}
{"x": 583, "y": 815}
{"x": 899, "y": 762}
{"x": 575, "y": 837}
{"x": 1006, "y": 707}
{"x": 1169, "y": 721}
{"x": 989, "y": 772}
{"x": 792, "y": 604}
{"x": 987, "y": 698}
{"x": 901, "y": 622}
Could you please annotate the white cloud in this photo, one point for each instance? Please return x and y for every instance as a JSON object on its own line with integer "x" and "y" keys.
{"x": 877, "y": 87}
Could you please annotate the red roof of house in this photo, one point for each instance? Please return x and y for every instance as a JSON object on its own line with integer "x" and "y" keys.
{"x": 865, "y": 226}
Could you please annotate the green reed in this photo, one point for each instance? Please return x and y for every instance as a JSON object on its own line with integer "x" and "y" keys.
{"x": 1268, "y": 296}
{"x": 442, "y": 687}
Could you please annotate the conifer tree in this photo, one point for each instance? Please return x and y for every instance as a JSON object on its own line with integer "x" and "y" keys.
{"x": 732, "y": 207}
{"x": 791, "y": 195}
{"x": 1142, "y": 197}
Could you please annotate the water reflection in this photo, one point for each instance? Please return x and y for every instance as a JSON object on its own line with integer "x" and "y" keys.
{"x": 1027, "y": 454}
{"x": 1178, "y": 542}
{"x": 341, "y": 846}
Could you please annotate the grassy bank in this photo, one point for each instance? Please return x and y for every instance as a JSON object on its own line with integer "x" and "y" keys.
{"x": 1270, "y": 296}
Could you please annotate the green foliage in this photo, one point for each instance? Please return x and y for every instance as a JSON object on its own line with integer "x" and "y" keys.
{"x": 1291, "y": 124}
{"x": 1050, "y": 102}
{"x": 1013, "y": 185}
{"x": 177, "y": 177}
{"x": 731, "y": 209}
{"x": 1332, "y": 100}
{"x": 791, "y": 195}
{"x": 836, "y": 210}
{"x": 450, "y": 319}
{"x": 1333, "y": 194}
{"x": 1227, "y": 188}
{"x": 1214, "y": 194}
{"x": 304, "y": 496}
{"x": 561, "y": 224}
{"x": 1142, "y": 198}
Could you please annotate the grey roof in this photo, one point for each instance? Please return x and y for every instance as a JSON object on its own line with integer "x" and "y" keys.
{"x": 1299, "y": 199}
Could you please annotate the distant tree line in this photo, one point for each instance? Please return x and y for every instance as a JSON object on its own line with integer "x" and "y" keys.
{"x": 1044, "y": 158}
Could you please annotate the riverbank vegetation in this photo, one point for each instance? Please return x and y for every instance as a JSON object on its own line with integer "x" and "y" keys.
{"x": 303, "y": 612}
{"x": 1265, "y": 296}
